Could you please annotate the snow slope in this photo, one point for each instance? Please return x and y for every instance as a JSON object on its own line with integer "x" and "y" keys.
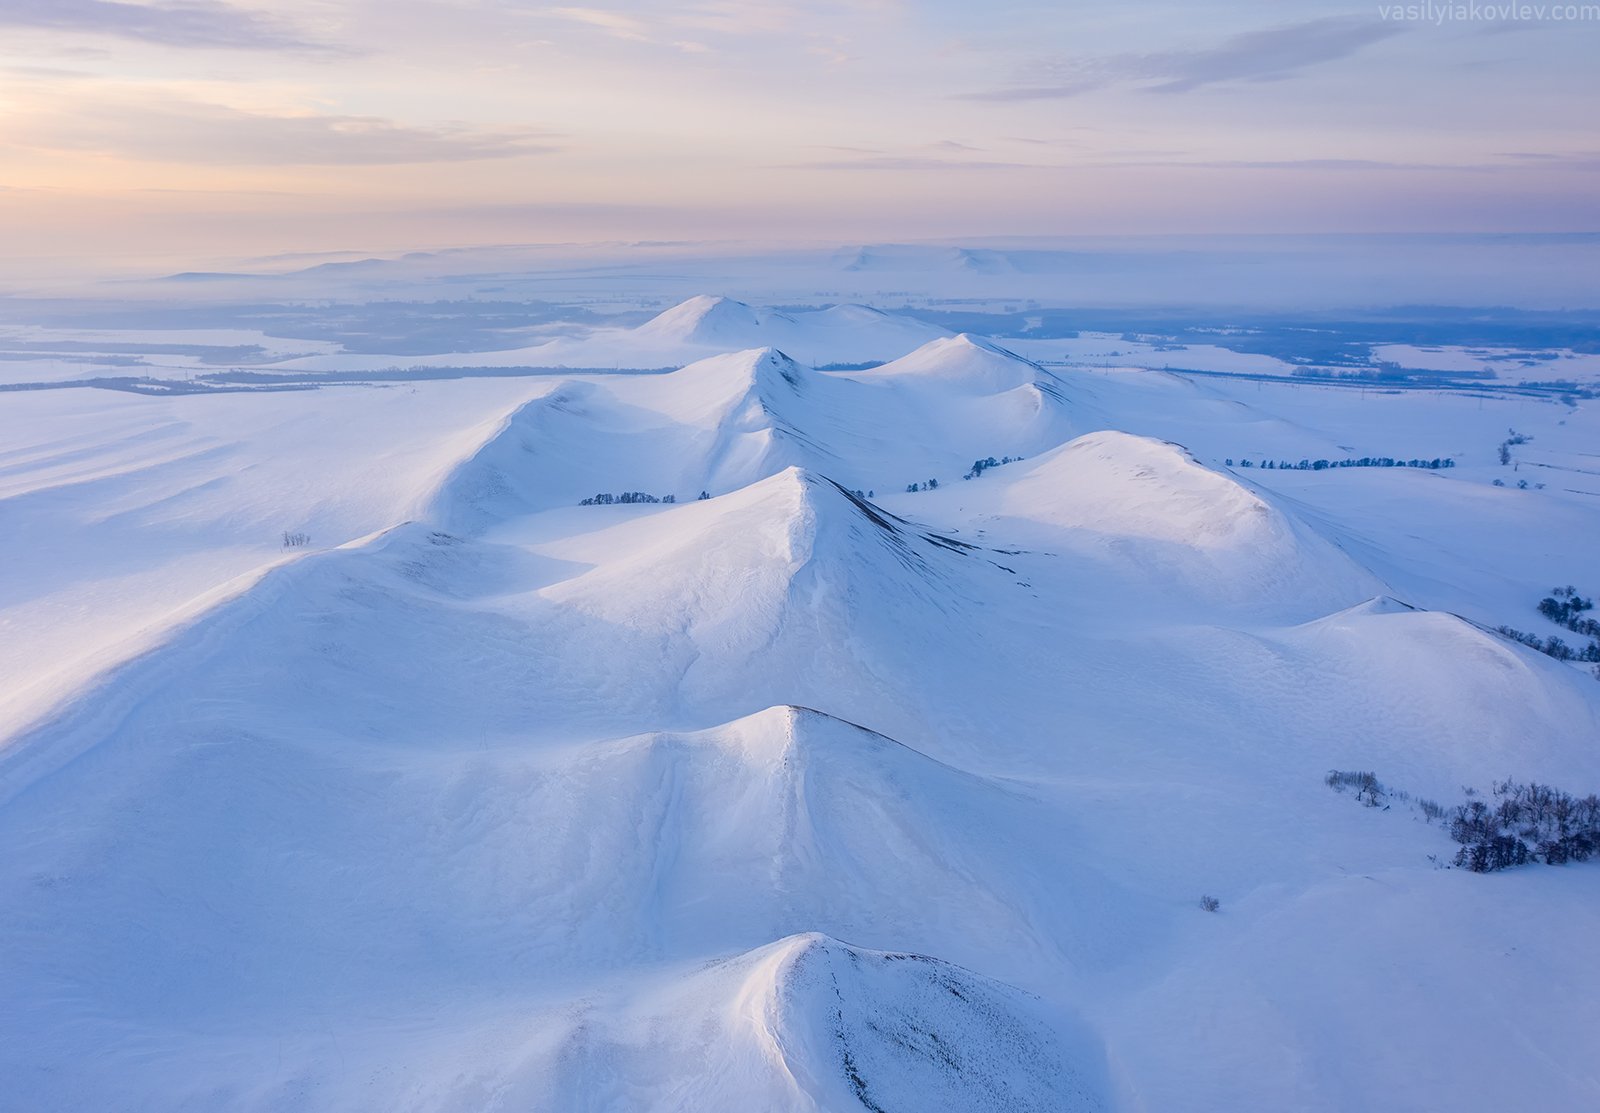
{"x": 816, "y": 794}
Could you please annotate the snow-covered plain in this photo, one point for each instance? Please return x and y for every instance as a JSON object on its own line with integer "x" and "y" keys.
{"x": 815, "y": 793}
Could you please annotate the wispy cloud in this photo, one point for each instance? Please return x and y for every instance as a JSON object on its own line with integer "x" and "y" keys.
{"x": 189, "y": 23}
{"x": 616, "y": 24}
{"x": 1319, "y": 164}
{"x": 1273, "y": 54}
{"x": 911, "y": 162}
{"x": 190, "y": 132}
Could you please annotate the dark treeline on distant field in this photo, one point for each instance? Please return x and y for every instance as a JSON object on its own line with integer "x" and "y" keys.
{"x": 1322, "y": 339}
{"x": 1566, "y": 608}
{"x": 1349, "y": 462}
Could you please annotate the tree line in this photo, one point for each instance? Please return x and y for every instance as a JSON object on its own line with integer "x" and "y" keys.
{"x": 626, "y": 497}
{"x": 1566, "y": 608}
{"x": 1349, "y": 462}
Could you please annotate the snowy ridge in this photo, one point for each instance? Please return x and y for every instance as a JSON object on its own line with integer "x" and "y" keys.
{"x": 515, "y": 468}
{"x": 791, "y": 571}
{"x": 817, "y": 794}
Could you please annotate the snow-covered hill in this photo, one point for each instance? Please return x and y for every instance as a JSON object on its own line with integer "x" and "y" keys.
{"x": 852, "y": 785}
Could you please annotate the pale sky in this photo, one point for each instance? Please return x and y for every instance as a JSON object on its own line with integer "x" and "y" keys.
{"x": 207, "y": 130}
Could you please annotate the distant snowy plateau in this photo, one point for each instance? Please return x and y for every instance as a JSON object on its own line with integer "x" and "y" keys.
{"x": 801, "y": 710}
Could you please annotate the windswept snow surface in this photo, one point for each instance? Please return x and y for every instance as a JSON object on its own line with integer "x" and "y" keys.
{"x": 816, "y": 793}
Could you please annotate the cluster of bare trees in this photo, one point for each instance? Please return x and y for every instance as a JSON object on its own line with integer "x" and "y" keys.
{"x": 1522, "y": 823}
{"x": 628, "y": 497}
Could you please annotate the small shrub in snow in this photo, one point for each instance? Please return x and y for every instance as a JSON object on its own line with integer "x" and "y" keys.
{"x": 1210, "y": 903}
{"x": 1506, "y": 446}
{"x": 1368, "y": 790}
{"x": 295, "y": 540}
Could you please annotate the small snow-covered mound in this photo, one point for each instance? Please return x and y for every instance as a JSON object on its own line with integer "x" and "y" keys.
{"x": 706, "y": 320}
{"x": 1473, "y": 706}
{"x": 1153, "y": 507}
{"x": 1135, "y": 487}
{"x": 965, "y": 363}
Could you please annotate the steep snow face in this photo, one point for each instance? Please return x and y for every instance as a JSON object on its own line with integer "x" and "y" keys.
{"x": 529, "y": 459}
{"x": 741, "y": 391}
{"x": 864, "y": 1029}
